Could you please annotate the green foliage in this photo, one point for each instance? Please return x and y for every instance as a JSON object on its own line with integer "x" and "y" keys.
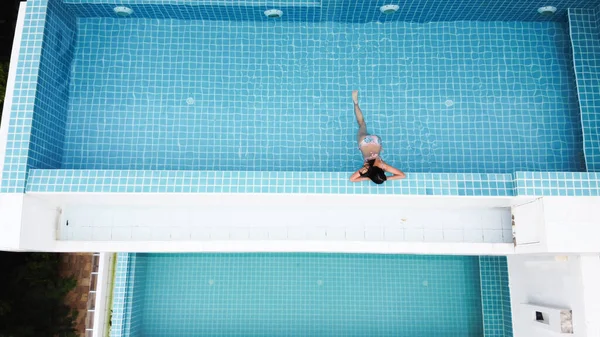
{"x": 32, "y": 296}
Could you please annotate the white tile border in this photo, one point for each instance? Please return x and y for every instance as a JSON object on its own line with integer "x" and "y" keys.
{"x": 289, "y": 246}
{"x": 263, "y": 222}
{"x": 590, "y": 276}
{"x": 45, "y": 222}
{"x": 10, "y": 84}
{"x": 11, "y": 213}
{"x": 104, "y": 289}
{"x": 276, "y": 199}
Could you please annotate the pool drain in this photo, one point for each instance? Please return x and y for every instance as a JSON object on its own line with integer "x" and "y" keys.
{"x": 389, "y": 9}
{"x": 547, "y": 10}
{"x": 273, "y": 13}
{"x": 123, "y": 11}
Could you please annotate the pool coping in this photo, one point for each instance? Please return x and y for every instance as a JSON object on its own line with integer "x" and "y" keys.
{"x": 7, "y": 112}
{"x": 104, "y": 294}
{"x": 251, "y": 182}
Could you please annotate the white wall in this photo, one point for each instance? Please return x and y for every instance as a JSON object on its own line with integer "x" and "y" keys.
{"x": 326, "y": 221}
{"x": 285, "y": 246}
{"x": 11, "y": 206}
{"x": 590, "y": 272}
{"x": 548, "y": 281}
{"x": 104, "y": 290}
{"x": 261, "y": 223}
{"x": 572, "y": 224}
{"x": 109, "y": 221}
{"x": 269, "y": 222}
{"x": 558, "y": 225}
{"x": 27, "y": 223}
{"x": 39, "y": 225}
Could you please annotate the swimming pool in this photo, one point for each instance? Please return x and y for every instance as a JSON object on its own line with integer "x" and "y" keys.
{"x": 186, "y": 94}
{"x": 196, "y": 108}
{"x": 310, "y": 295}
{"x": 193, "y": 109}
{"x": 156, "y": 93}
{"x": 167, "y": 94}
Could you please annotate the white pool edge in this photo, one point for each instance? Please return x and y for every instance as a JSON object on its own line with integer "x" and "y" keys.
{"x": 289, "y": 246}
{"x": 103, "y": 295}
{"x": 10, "y": 84}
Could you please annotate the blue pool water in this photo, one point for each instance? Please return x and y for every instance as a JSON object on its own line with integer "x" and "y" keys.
{"x": 488, "y": 97}
{"x": 306, "y": 295}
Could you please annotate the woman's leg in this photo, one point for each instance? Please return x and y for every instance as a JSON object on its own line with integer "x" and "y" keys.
{"x": 362, "y": 126}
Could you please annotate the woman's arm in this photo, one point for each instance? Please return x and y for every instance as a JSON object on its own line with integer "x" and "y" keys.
{"x": 396, "y": 174}
{"x": 355, "y": 177}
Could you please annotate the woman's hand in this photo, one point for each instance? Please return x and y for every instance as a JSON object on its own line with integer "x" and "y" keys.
{"x": 363, "y": 170}
{"x": 396, "y": 174}
{"x": 358, "y": 175}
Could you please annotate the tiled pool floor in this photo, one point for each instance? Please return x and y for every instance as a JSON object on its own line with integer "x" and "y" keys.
{"x": 217, "y": 95}
{"x": 306, "y": 295}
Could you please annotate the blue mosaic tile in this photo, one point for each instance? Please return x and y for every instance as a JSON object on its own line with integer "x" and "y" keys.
{"x": 122, "y": 288}
{"x": 335, "y": 10}
{"x": 22, "y": 109}
{"x": 299, "y": 294}
{"x": 557, "y": 184}
{"x": 506, "y": 305}
{"x": 128, "y": 295}
{"x": 139, "y": 273}
{"x": 457, "y": 184}
{"x": 461, "y": 120}
{"x": 52, "y": 95}
{"x": 239, "y": 96}
{"x": 39, "y": 110}
{"x": 495, "y": 296}
{"x": 585, "y": 37}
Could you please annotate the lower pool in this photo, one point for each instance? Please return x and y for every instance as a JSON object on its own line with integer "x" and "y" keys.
{"x": 301, "y": 294}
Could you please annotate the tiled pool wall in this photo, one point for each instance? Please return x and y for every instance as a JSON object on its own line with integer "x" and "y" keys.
{"x": 491, "y": 271}
{"x": 40, "y": 99}
{"x": 275, "y": 96}
{"x": 128, "y": 294}
{"x": 585, "y": 37}
{"x": 495, "y": 296}
{"x": 454, "y": 184}
{"x": 19, "y": 133}
{"x": 343, "y": 11}
{"x": 52, "y": 93}
{"x": 35, "y": 158}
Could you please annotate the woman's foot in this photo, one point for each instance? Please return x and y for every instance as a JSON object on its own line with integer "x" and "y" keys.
{"x": 355, "y": 96}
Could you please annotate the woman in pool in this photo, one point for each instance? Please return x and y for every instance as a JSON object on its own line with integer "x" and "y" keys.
{"x": 374, "y": 167}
